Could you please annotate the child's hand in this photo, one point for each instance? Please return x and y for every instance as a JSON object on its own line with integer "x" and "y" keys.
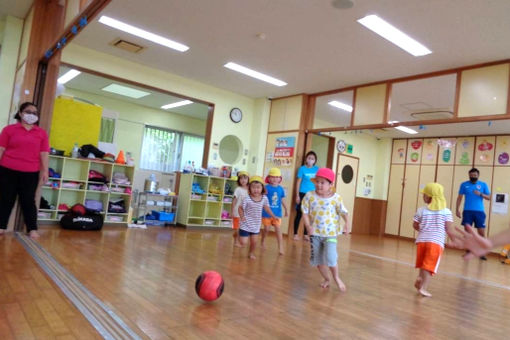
{"x": 472, "y": 241}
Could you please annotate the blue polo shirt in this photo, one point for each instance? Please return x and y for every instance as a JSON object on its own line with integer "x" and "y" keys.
{"x": 306, "y": 174}
{"x": 471, "y": 201}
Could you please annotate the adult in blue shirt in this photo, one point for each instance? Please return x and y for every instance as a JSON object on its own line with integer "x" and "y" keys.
{"x": 304, "y": 184}
{"x": 475, "y": 192}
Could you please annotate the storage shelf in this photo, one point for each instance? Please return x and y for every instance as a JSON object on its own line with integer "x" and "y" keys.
{"x": 76, "y": 170}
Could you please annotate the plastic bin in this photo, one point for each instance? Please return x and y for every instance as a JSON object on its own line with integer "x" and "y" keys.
{"x": 163, "y": 216}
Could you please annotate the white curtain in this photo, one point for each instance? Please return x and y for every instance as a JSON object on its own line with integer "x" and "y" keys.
{"x": 159, "y": 149}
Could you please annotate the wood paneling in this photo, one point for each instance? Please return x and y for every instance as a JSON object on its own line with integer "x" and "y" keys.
{"x": 369, "y": 216}
{"x": 370, "y": 105}
{"x": 394, "y": 204}
{"x": 409, "y": 200}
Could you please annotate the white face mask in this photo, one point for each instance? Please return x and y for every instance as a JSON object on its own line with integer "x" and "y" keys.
{"x": 30, "y": 118}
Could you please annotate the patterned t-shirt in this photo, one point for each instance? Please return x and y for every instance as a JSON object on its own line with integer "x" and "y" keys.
{"x": 432, "y": 225}
{"x": 324, "y": 213}
{"x": 253, "y": 213}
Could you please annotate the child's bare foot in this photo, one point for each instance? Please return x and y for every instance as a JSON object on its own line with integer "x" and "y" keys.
{"x": 2, "y": 231}
{"x": 340, "y": 284}
{"x": 425, "y": 293}
{"x": 296, "y": 237}
{"x": 263, "y": 246}
{"x": 325, "y": 284}
{"x": 34, "y": 234}
{"x": 252, "y": 257}
{"x": 306, "y": 238}
{"x": 238, "y": 245}
{"x": 281, "y": 252}
{"x": 417, "y": 283}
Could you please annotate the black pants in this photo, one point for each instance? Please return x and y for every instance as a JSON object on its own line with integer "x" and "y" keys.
{"x": 24, "y": 184}
{"x": 299, "y": 214}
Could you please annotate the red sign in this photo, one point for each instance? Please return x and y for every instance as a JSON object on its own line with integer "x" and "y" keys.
{"x": 283, "y": 152}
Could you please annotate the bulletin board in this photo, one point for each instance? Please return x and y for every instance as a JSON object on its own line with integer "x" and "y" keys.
{"x": 399, "y": 151}
{"x": 429, "y": 153}
{"x": 464, "y": 151}
{"x": 502, "y": 157}
{"x": 281, "y": 153}
{"x": 484, "y": 150}
{"x": 74, "y": 122}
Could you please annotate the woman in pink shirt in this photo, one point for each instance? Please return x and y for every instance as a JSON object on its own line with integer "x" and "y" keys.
{"x": 24, "y": 153}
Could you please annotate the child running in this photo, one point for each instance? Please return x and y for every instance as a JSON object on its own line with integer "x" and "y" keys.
{"x": 432, "y": 222}
{"x": 322, "y": 209}
{"x": 250, "y": 213}
{"x": 239, "y": 194}
{"x": 276, "y": 196}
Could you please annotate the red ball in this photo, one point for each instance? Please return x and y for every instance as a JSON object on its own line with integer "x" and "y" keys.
{"x": 209, "y": 285}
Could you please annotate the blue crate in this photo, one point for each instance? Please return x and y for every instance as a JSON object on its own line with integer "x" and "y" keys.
{"x": 163, "y": 216}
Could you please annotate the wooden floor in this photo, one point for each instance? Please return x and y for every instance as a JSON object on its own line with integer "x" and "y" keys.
{"x": 147, "y": 277}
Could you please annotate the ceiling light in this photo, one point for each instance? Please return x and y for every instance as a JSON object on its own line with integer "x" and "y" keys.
{"x": 406, "y": 130}
{"x": 177, "y": 104}
{"x": 142, "y": 33}
{"x": 392, "y": 121}
{"x": 125, "y": 91}
{"x": 254, "y": 74}
{"x": 340, "y": 105}
{"x": 68, "y": 76}
{"x": 393, "y": 34}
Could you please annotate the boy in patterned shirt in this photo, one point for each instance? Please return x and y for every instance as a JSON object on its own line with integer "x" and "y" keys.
{"x": 432, "y": 222}
{"x": 322, "y": 209}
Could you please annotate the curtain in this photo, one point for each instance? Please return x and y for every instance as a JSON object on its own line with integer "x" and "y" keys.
{"x": 159, "y": 149}
{"x": 107, "y": 130}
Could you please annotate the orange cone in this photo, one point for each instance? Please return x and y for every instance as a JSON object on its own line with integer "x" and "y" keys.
{"x": 120, "y": 158}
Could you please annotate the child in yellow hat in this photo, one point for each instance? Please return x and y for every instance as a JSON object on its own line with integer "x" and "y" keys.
{"x": 432, "y": 222}
{"x": 239, "y": 194}
{"x": 250, "y": 213}
{"x": 276, "y": 197}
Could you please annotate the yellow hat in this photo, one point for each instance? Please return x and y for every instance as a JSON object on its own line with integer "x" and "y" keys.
{"x": 435, "y": 190}
{"x": 242, "y": 173}
{"x": 275, "y": 172}
{"x": 256, "y": 179}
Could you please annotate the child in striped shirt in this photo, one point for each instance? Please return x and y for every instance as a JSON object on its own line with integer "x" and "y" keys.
{"x": 432, "y": 222}
{"x": 250, "y": 213}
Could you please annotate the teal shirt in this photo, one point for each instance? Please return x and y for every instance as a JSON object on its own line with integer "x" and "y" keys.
{"x": 306, "y": 174}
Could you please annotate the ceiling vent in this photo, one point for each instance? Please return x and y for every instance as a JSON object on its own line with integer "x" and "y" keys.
{"x": 127, "y": 46}
{"x": 432, "y": 114}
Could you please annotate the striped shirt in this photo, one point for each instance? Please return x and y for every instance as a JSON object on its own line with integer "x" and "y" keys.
{"x": 253, "y": 213}
{"x": 432, "y": 225}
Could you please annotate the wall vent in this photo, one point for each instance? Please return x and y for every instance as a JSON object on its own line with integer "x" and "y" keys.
{"x": 127, "y": 46}
{"x": 432, "y": 114}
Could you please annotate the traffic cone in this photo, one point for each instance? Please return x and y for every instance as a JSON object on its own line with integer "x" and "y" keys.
{"x": 120, "y": 158}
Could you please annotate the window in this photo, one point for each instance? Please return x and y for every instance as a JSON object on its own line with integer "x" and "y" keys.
{"x": 162, "y": 149}
{"x": 108, "y": 122}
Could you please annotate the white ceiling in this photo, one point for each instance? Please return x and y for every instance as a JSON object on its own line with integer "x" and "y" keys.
{"x": 93, "y": 84}
{"x": 17, "y": 8}
{"x": 309, "y": 44}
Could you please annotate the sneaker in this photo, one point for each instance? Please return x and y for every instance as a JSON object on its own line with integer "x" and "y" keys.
{"x": 483, "y": 258}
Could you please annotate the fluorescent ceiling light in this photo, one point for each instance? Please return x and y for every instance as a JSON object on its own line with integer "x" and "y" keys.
{"x": 142, "y": 33}
{"x": 406, "y": 130}
{"x": 340, "y": 105}
{"x": 125, "y": 91}
{"x": 176, "y": 104}
{"x": 393, "y": 34}
{"x": 68, "y": 76}
{"x": 254, "y": 74}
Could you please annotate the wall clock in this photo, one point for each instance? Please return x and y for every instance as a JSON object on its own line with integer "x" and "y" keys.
{"x": 340, "y": 146}
{"x": 236, "y": 115}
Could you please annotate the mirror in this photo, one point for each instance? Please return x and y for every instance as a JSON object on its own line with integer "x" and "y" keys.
{"x": 423, "y": 99}
{"x": 333, "y": 110}
{"x": 230, "y": 149}
{"x": 160, "y": 140}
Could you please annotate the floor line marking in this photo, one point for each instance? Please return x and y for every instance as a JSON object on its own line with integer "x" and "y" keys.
{"x": 459, "y": 276}
{"x": 94, "y": 310}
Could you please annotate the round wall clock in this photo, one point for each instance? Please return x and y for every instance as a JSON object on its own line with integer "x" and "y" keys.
{"x": 236, "y": 115}
{"x": 340, "y": 146}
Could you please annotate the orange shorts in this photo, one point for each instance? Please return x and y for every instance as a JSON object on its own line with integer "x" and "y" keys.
{"x": 235, "y": 222}
{"x": 428, "y": 256}
{"x": 269, "y": 221}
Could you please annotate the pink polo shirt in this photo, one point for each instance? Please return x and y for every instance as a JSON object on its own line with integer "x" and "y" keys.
{"x": 23, "y": 147}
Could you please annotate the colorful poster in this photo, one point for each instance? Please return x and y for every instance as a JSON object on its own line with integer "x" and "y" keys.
{"x": 284, "y": 151}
